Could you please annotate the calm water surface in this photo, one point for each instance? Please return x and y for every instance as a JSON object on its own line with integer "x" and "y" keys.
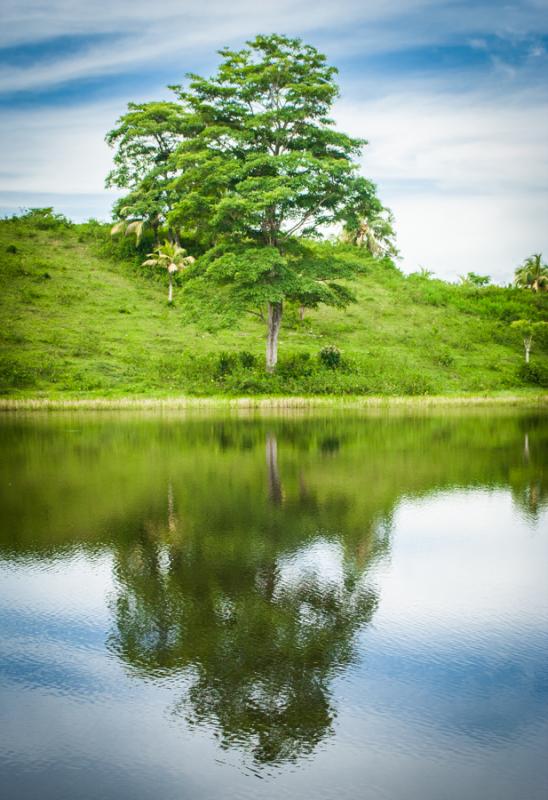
{"x": 274, "y": 608}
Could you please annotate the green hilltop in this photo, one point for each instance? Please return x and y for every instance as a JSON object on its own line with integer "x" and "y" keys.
{"x": 82, "y": 318}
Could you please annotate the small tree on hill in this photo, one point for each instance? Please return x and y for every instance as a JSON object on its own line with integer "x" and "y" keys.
{"x": 172, "y": 257}
{"x": 528, "y": 331}
{"x": 129, "y": 227}
{"x": 473, "y": 279}
{"x": 371, "y": 226}
{"x": 264, "y": 172}
{"x": 532, "y": 274}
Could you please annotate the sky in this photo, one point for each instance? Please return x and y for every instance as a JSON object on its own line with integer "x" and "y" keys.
{"x": 451, "y": 95}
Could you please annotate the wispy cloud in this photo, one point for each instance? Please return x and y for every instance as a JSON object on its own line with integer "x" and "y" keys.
{"x": 166, "y": 32}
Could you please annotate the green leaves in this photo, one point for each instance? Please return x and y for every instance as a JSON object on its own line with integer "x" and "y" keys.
{"x": 249, "y": 165}
{"x": 267, "y": 160}
{"x": 527, "y": 329}
{"x": 145, "y": 140}
{"x": 532, "y": 274}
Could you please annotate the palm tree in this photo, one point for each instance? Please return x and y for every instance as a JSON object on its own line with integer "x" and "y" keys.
{"x": 374, "y": 232}
{"x": 532, "y": 274}
{"x": 129, "y": 227}
{"x": 172, "y": 257}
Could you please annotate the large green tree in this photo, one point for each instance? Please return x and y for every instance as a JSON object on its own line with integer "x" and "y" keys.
{"x": 263, "y": 174}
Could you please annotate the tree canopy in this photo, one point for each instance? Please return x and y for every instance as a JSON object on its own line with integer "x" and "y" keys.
{"x": 248, "y": 165}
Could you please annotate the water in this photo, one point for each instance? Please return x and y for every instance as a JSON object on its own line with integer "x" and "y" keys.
{"x": 263, "y": 608}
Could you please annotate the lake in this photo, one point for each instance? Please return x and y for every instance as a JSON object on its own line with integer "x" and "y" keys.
{"x": 313, "y": 606}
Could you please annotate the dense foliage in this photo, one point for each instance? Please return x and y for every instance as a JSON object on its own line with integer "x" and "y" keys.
{"x": 249, "y": 168}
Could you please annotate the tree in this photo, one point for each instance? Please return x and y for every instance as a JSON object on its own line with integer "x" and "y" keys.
{"x": 258, "y": 653}
{"x": 129, "y": 227}
{"x": 371, "y": 226}
{"x": 172, "y": 257}
{"x": 145, "y": 139}
{"x": 264, "y": 172}
{"x": 473, "y": 279}
{"x": 532, "y": 274}
{"x": 528, "y": 330}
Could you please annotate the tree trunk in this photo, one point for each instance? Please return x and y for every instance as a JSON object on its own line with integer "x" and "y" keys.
{"x": 173, "y": 236}
{"x": 274, "y": 483}
{"x": 527, "y": 351}
{"x": 275, "y": 311}
{"x": 301, "y": 312}
{"x": 170, "y": 292}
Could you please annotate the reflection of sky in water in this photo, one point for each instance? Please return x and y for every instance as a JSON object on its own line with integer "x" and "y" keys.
{"x": 320, "y": 562}
{"x": 449, "y": 693}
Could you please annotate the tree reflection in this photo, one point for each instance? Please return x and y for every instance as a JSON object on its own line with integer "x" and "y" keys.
{"x": 257, "y": 621}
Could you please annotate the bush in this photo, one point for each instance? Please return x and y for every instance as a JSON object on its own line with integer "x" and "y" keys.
{"x": 416, "y": 384}
{"x": 93, "y": 230}
{"x": 533, "y": 373}
{"x": 44, "y": 219}
{"x": 330, "y": 357}
{"x": 247, "y": 360}
{"x": 225, "y": 364}
{"x": 11, "y": 248}
{"x": 295, "y": 365}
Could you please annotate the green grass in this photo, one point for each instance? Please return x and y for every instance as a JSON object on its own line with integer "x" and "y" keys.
{"x": 81, "y": 319}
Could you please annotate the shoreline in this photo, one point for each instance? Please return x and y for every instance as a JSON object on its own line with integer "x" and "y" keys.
{"x": 536, "y": 400}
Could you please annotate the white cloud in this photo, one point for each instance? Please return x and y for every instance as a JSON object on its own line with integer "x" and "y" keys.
{"x": 484, "y": 233}
{"x": 466, "y": 175}
{"x": 58, "y": 150}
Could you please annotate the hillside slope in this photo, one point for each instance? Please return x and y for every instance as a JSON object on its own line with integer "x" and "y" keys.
{"x": 76, "y": 320}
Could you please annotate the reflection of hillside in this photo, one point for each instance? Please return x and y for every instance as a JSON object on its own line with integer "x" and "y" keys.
{"x": 69, "y": 480}
{"x": 242, "y": 549}
{"x": 258, "y": 620}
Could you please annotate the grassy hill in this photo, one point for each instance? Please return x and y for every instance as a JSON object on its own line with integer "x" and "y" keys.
{"x": 80, "y": 317}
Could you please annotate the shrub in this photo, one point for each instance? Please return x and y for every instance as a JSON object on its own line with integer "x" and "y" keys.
{"x": 225, "y": 364}
{"x": 416, "y": 384}
{"x": 11, "y": 248}
{"x": 44, "y": 219}
{"x": 330, "y": 357}
{"x": 295, "y": 365}
{"x": 247, "y": 360}
{"x": 533, "y": 373}
{"x": 93, "y": 230}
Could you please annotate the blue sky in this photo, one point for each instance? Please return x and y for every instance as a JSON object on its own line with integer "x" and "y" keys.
{"x": 452, "y": 96}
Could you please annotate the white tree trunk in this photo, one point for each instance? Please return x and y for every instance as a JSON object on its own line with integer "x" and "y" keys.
{"x": 170, "y": 292}
{"x": 527, "y": 344}
{"x": 275, "y": 311}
